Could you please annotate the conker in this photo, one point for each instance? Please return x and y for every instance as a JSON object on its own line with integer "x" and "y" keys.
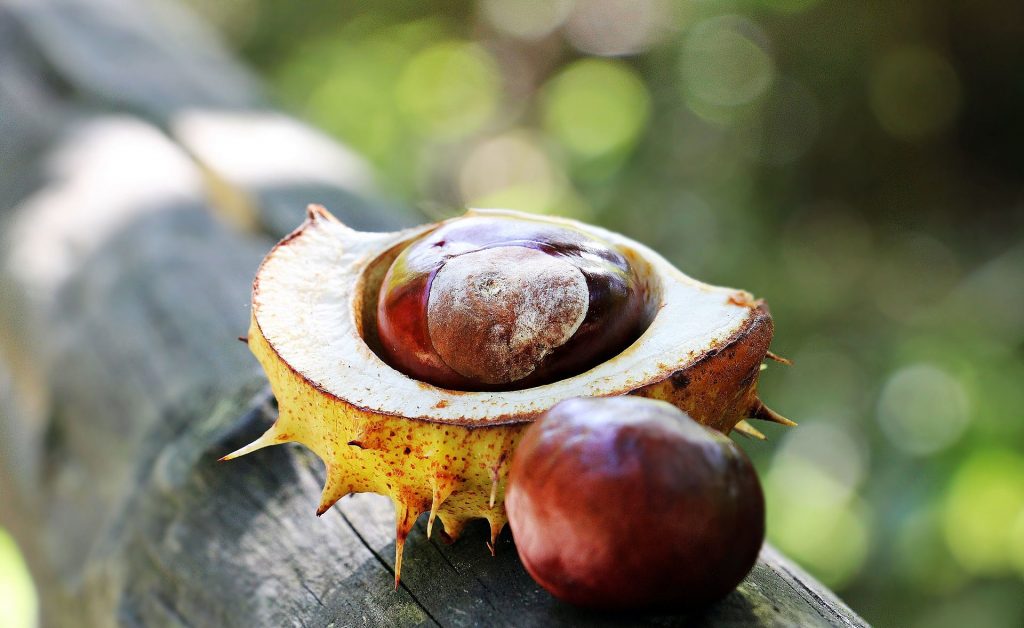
{"x": 491, "y": 303}
{"x": 627, "y": 502}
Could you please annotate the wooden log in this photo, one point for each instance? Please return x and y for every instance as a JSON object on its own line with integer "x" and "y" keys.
{"x": 149, "y": 57}
{"x": 121, "y": 292}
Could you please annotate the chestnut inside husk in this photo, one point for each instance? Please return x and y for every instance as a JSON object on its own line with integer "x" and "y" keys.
{"x": 627, "y": 502}
{"x": 498, "y": 303}
{"x": 432, "y": 449}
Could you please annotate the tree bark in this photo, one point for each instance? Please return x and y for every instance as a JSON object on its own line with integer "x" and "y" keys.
{"x": 129, "y": 242}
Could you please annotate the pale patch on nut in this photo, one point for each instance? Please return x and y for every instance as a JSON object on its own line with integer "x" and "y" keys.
{"x": 495, "y": 314}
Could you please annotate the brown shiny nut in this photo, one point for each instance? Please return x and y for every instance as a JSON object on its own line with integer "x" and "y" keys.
{"x": 628, "y": 503}
{"x": 486, "y": 303}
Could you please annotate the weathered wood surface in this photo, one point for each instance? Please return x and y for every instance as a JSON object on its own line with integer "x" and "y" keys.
{"x": 127, "y": 244}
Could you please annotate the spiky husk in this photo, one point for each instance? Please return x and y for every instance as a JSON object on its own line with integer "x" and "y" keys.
{"x": 454, "y": 472}
{"x": 456, "y": 469}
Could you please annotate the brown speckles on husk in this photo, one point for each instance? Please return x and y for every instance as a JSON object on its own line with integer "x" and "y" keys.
{"x": 720, "y": 389}
{"x": 422, "y": 466}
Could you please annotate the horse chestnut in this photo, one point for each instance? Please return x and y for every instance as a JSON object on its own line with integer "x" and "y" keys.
{"x": 627, "y": 502}
{"x": 495, "y": 303}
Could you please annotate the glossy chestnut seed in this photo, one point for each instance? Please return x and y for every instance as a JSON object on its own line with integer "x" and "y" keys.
{"x": 486, "y": 303}
{"x": 627, "y": 502}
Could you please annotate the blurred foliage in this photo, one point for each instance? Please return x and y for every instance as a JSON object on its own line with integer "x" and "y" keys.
{"x": 858, "y": 164}
{"x": 17, "y": 594}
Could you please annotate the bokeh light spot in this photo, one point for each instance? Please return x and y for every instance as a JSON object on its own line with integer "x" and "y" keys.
{"x": 526, "y": 19}
{"x": 724, "y": 63}
{"x": 449, "y": 90}
{"x": 832, "y": 450}
{"x": 596, "y": 107}
{"x": 923, "y": 409}
{"x": 512, "y": 170}
{"x": 811, "y": 517}
{"x": 915, "y": 93}
{"x": 361, "y": 75}
{"x": 19, "y": 607}
{"x": 984, "y": 504}
{"x": 617, "y": 27}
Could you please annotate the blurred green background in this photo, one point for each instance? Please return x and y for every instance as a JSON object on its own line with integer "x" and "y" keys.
{"x": 857, "y": 164}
